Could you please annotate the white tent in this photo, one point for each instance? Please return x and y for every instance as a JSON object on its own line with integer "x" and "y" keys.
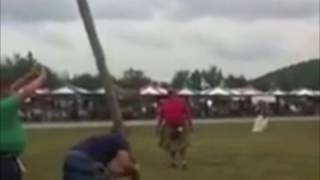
{"x": 235, "y": 92}
{"x": 303, "y": 92}
{"x": 119, "y": 92}
{"x": 316, "y": 93}
{"x": 218, "y": 92}
{"x": 250, "y": 92}
{"x": 150, "y": 91}
{"x": 264, "y": 98}
{"x": 99, "y": 91}
{"x": 69, "y": 90}
{"x": 64, "y": 91}
{"x": 278, "y": 92}
{"x": 162, "y": 90}
{"x": 42, "y": 91}
{"x": 81, "y": 90}
{"x": 204, "y": 92}
{"x": 186, "y": 92}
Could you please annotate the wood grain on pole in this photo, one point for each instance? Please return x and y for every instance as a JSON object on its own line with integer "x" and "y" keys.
{"x": 101, "y": 65}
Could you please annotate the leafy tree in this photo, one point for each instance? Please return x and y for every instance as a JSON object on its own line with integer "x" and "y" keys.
{"x": 16, "y": 66}
{"x": 53, "y": 80}
{"x": 87, "y": 81}
{"x": 235, "y": 82}
{"x": 134, "y": 79}
{"x": 180, "y": 79}
{"x": 213, "y": 76}
{"x": 195, "y": 80}
{"x": 302, "y": 75}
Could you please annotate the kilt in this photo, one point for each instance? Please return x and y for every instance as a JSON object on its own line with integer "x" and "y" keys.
{"x": 78, "y": 166}
{"x": 9, "y": 168}
{"x": 174, "y": 139}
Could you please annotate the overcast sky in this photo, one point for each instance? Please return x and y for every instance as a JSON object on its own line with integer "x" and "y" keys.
{"x": 247, "y": 37}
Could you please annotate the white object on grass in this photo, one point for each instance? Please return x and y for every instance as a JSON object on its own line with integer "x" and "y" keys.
{"x": 21, "y": 165}
{"x": 260, "y": 124}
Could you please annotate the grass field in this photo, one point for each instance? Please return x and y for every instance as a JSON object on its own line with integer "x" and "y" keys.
{"x": 286, "y": 151}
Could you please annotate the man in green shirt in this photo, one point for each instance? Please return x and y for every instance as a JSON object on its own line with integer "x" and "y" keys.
{"x": 12, "y": 135}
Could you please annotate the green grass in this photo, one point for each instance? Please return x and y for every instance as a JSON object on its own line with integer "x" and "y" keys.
{"x": 286, "y": 151}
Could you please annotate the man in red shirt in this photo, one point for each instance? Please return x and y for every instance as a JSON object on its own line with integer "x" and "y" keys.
{"x": 174, "y": 126}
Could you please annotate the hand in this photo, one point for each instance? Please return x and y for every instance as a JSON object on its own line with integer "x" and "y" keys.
{"x": 21, "y": 81}
{"x": 34, "y": 72}
{"x": 27, "y": 90}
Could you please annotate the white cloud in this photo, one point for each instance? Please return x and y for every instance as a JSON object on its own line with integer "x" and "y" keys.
{"x": 66, "y": 10}
{"x": 148, "y": 38}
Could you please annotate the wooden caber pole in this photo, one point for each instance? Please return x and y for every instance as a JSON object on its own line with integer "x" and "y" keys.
{"x": 102, "y": 66}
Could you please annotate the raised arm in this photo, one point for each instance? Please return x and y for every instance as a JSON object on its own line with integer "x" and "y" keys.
{"x": 23, "y": 80}
{"x": 29, "y": 88}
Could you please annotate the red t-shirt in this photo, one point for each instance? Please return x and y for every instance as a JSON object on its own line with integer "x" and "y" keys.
{"x": 174, "y": 111}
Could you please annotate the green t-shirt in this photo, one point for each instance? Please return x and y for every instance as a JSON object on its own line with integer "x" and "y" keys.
{"x": 12, "y": 134}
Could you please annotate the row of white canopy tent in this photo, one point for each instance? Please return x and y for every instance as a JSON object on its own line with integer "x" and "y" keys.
{"x": 65, "y": 90}
{"x": 159, "y": 91}
{"x": 153, "y": 91}
{"x": 219, "y": 91}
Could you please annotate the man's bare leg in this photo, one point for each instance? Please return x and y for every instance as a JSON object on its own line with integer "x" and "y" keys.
{"x": 173, "y": 156}
{"x": 183, "y": 156}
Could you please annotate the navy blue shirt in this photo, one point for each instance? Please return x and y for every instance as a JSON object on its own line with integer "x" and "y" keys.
{"x": 103, "y": 148}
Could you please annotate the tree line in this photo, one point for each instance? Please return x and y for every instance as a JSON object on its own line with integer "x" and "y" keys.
{"x": 206, "y": 78}
{"x": 13, "y": 67}
{"x": 302, "y": 75}
{"x": 305, "y": 74}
